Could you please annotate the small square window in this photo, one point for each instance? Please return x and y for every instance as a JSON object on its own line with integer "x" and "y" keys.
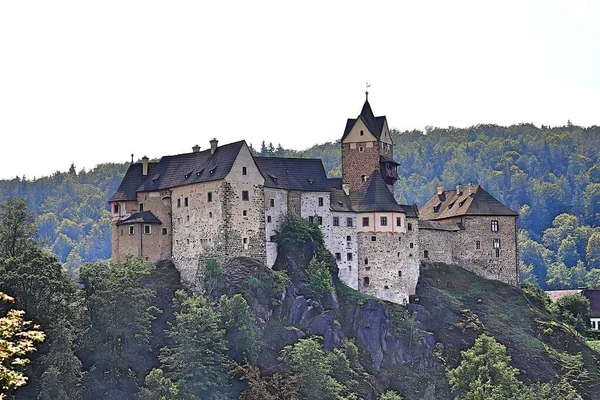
{"x": 268, "y": 218}
{"x": 245, "y": 240}
{"x": 383, "y": 221}
{"x": 147, "y": 229}
{"x": 411, "y": 245}
{"x": 209, "y": 197}
{"x": 349, "y": 256}
{"x": 477, "y": 245}
{"x": 338, "y": 256}
{"x": 349, "y": 222}
{"x": 365, "y": 221}
{"x": 165, "y": 231}
{"x": 272, "y": 202}
{"x": 320, "y": 202}
{"x": 186, "y": 202}
{"x": 244, "y": 171}
{"x": 373, "y": 238}
{"x": 131, "y": 229}
{"x": 245, "y": 195}
{"x": 272, "y": 238}
{"x": 348, "y": 239}
{"x": 336, "y": 221}
{"x": 245, "y": 213}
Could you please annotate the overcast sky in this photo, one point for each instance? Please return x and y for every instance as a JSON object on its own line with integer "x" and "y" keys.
{"x": 91, "y": 82}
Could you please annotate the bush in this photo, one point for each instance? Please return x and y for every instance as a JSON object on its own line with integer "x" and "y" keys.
{"x": 573, "y": 310}
{"x": 319, "y": 276}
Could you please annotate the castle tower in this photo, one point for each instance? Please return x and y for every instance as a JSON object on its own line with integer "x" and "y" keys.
{"x": 366, "y": 146}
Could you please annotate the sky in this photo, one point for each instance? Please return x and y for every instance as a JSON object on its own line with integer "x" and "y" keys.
{"x": 91, "y": 82}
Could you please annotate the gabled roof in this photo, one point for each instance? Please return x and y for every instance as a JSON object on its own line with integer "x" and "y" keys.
{"x": 373, "y": 196}
{"x": 132, "y": 180}
{"x": 473, "y": 201}
{"x": 188, "y": 168}
{"x": 307, "y": 174}
{"x": 374, "y": 124}
{"x": 143, "y": 217}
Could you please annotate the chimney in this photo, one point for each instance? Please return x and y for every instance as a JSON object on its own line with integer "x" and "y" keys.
{"x": 470, "y": 187}
{"x": 213, "y": 145}
{"x": 458, "y": 189}
{"x": 440, "y": 189}
{"x": 144, "y": 166}
{"x": 196, "y": 149}
{"x": 346, "y": 188}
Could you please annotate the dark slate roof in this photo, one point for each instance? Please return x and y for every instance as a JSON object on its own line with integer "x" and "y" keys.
{"x": 450, "y": 204}
{"x": 188, "y": 168}
{"x": 438, "y": 226}
{"x": 143, "y": 217}
{"x": 305, "y": 174}
{"x": 374, "y": 124}
{"x": 132, "y": 180}
{"x": 335, "y": 183}
{"x": 593, "y": 295}
{"x": 384, "y": 159}
{"x": 373, "y": 196}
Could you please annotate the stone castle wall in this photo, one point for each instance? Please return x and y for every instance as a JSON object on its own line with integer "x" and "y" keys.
{"x": 357, "y": 164}
{"x": 274, "y": 216}
{"x": 345, "y": 251}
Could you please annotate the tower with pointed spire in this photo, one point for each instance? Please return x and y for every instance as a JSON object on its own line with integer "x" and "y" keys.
{"x": 367, "y": 146}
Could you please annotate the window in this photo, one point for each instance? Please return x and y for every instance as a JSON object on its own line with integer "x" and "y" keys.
{"x": 494, "y": 225}
{"x": 399, "y": 274}
{"x": 364, "y": 178}
{"x": 188, "y": 241}
{"x": 121, "y": 232}
{"x": 272, "y": 202}
{"x": 400, "y": 239}
{"x": 244, "y": 171}
{"x": 336, "y": 221}
{"x": 210, "y": 214}
{"x": 365, "y": 221}
{"x": 245, "y": 213}
{"x": 409, "y": 226}
{"x": 272, "y": 238}
{"x": 188, "y": 218}
{"x": 398, "y": 221}
{"x": 186, "y": 202}
{"x": 147, "y": 229}
{"x": 497, "y": 252}
{"x": 131, "y": 229}
{"x": 366, "y": 261}
{"x": 319, "y": 220}
{"x": 320, "y": 202}
{"x": 245, "y": 240}
{"x": 311, "y": 219}
{"x": 366, "y": 281}
{"x": 361, "y": 149}
{"x": 496, "y": 243}
{"x": 268, "y": 218}
{"x": 383, "y": 221}
{"x": 373, "y": 238}
{"x": 426, "y": 254}
{"x": 411, "y": 245}
{"x": 348, "y": 239}
{"x": 116, "y": 208}
{"x": 338, "y": 256}
{"x": 362, "y": 133}
{"x": 245, "y": 195}
{"x": 208, "y": 195}
{"x": 349, "y": 256}
{"x": 164, "y": 231}
{"x": 477, "y": 245}
{"x": 349, "y": 222}
{"x": 386, "y": 287}
{"x": 179, "y": 203}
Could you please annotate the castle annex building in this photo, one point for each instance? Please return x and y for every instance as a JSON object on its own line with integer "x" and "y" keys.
{"x": 224, "y": 202}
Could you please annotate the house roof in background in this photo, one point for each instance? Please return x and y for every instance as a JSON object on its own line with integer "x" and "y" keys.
{"x": 307, "y": 174}
{"x": 475, "y": 201}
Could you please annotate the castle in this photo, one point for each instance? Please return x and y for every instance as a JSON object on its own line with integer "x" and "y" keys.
{"x": 224, "y": 202}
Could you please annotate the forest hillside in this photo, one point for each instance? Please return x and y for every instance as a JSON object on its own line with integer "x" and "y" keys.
{"x": 551, "y": 176}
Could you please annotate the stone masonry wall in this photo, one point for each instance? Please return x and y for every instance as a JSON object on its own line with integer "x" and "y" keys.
{"x": 274, "y": 216}
{"x": 345, "y": 251}
{"x": 438, "y": 245}
{"x": 355, "y": 163}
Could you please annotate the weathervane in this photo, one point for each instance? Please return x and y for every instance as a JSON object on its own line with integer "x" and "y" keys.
{"x": 367, "y": 90}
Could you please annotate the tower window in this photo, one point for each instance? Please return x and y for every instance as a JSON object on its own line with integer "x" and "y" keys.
{"x": 147, "y": 229}
{"x": 245, "y": 195}
{"x": 178, "y": 203}
{"x": 348, "y": 239}
{"x": 244, "y": 171}
{"x": 116, "y": 208}
{"x": 349, "y": 256}
{"x": 365, "y": 221}
{"x": 496, "y": 243}
{"x": 186, "y": 202}
{"x": 361, "y": 149}
{"x": 131, "y": 229}
{"x": 338, "y": 256}
{"x": 494, "y": 225}
{"x": 272, "y": 202}
{"x": 409, "y": 226}
{"x": 164, "y": 231}
{"x": 320, "y": 202}
{"x": 362, "y": 133}
{"x": 336, "y": 221}
{"x": 383, "y": 221}
{"x": 366, "y": 281}
{"x": 245, "y": 213}
{"x": 268, "y": 218}
{"x": 373, "y": 238}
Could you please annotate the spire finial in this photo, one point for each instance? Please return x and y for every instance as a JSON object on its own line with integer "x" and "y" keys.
{"x": 367, "y": 91}
{"x": 132, "y": 158}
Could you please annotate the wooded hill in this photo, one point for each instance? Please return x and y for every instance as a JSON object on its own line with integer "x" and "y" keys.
{"x": 551, "y": 176}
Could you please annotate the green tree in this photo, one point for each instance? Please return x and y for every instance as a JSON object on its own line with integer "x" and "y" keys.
{"x": 390, "y": 395}
{"x": 574, "y": 310}
{"x": 119, "y": 314}
{"x": 17, "y": 226}
{"x": 17, "y": 339}
{"x": 484, "y": 372}
{"x": 158, "y": 387}
{"x": 593, "y": 251}
{"x": 241, "y": 330}
{"x": 197, "y": 355}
